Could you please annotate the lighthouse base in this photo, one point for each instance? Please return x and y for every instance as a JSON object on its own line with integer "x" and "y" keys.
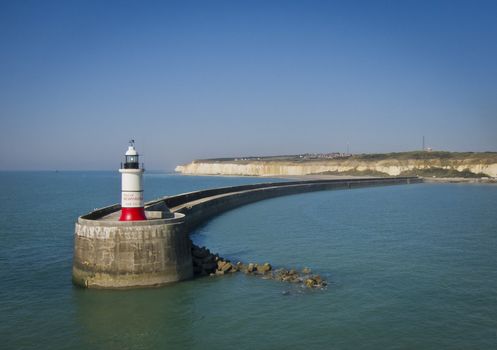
{"x": 115, "y": 254}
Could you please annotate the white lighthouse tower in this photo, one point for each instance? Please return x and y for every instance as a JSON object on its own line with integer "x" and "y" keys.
{"x": 132, "y": 208}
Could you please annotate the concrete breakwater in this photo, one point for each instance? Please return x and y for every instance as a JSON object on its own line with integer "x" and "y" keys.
{"x": 113, "y": 254}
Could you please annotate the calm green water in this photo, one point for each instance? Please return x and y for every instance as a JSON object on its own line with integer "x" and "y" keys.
{"x": 411, "y": 267}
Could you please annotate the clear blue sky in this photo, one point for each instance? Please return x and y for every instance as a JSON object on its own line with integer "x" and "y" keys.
{"x": 204, "y": 79}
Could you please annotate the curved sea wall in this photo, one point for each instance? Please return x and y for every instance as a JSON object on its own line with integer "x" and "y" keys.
{"x": 202, "y": 205}
{"x": 391, "y": 167}
{"x": 121, "y": 254}
{"x": 117, "y": 254}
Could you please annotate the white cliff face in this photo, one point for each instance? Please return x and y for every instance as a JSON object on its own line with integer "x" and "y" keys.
{"x": 275, "y": 168}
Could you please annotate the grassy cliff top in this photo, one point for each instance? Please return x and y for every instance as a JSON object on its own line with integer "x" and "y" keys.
{"x": 427, "y": 155}
{"x": 486, "y": 157}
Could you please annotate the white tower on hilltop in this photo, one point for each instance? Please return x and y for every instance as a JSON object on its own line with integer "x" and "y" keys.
{"x": 132, "y": 207}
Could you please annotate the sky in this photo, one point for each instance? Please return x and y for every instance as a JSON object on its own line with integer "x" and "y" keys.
{"x": 203, "y": 79}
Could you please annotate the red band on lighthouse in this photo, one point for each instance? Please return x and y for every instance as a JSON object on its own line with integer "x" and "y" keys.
{"x": 132, "y": 214}
{"x": 132, "y": 206}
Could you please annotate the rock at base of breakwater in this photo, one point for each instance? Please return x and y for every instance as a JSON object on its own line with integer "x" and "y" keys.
{"x": 206, "y": 263}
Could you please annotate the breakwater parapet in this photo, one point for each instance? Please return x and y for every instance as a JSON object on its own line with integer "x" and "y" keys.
{"x": 109, "y": 253}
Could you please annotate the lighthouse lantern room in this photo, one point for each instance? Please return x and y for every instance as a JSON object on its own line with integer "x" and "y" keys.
{"x": 132, "y": 207}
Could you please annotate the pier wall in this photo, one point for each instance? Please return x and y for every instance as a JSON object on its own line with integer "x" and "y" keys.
{"x": 200, "y": 206}
{"x": 119, "y": 254}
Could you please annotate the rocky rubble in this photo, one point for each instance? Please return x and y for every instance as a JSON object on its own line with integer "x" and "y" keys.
{"x": 206, "y": 263}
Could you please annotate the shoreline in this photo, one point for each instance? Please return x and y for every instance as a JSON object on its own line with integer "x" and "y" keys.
{"x": 425, "y": 179}
{"x": 491, "y": 181}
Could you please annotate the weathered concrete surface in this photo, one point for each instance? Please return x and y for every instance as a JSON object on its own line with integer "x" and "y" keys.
{"x": 108, "y": 254}
{"x": 119, "y": 254}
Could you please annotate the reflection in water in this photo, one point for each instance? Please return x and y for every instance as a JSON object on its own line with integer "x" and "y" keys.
{"x": 136, "y": 318}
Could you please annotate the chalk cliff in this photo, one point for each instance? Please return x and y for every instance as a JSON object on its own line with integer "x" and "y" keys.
{"x": 391, "y": 166}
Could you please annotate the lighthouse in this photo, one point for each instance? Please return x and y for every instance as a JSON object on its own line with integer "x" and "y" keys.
{"x": 132, "y": 208}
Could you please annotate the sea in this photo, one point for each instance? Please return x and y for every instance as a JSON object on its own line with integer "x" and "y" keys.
{"x": 408, "y": 267}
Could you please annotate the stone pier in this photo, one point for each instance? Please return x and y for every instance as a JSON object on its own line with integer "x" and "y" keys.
{"x": 124, "y": 254}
